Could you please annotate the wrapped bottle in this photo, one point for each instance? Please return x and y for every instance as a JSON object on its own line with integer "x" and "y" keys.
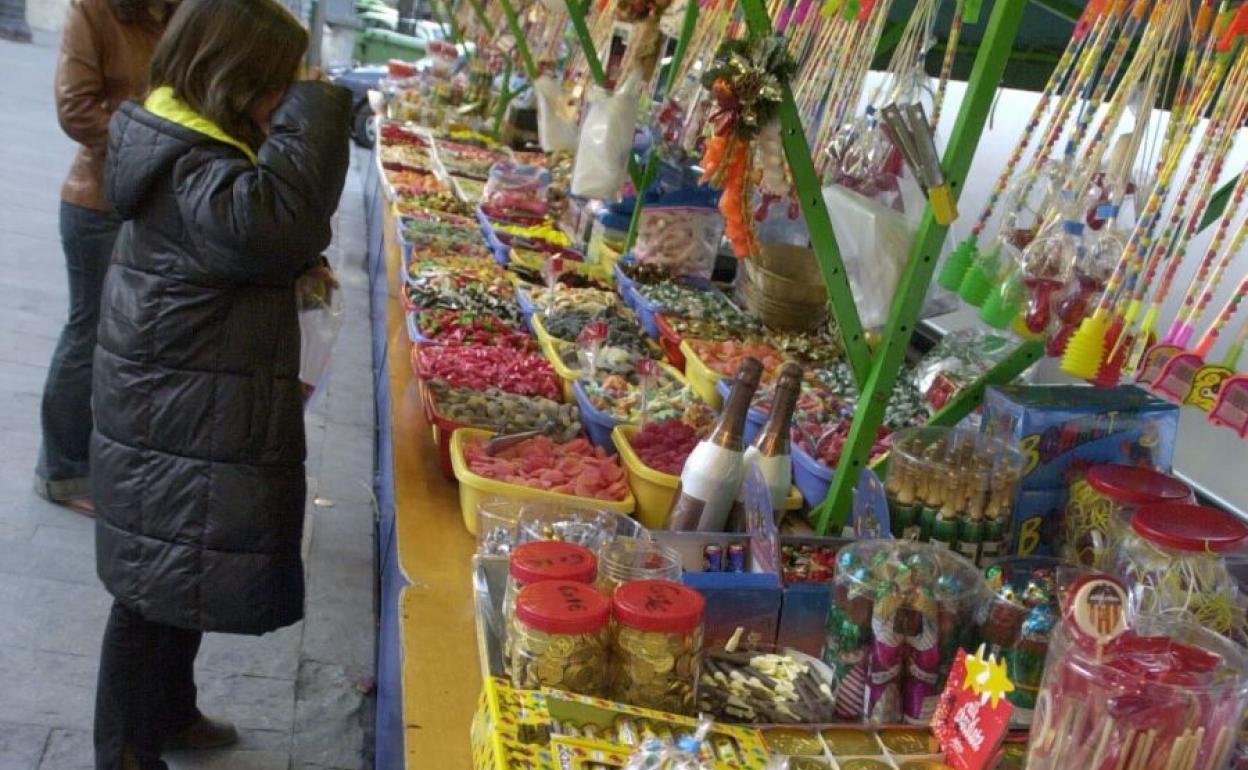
{"x": 770, "y": 450}
{"x": 712, "y": 474}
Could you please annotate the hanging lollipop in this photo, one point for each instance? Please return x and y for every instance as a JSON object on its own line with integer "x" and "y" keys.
{"x": 589, "y": 344}
{"x": 746, "y": 81}
{"x": 648, "y": 373}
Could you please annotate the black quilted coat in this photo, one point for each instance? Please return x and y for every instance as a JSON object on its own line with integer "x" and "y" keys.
{"x": 197, "y": 457}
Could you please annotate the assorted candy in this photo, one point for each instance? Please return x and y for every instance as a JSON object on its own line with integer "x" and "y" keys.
{"x": 457, "y": 327}
{"x": 668, "y": 399}
{"x": 503, "y": 412}
{"x": 725, "y": 356}
{"x": 572, "y": 468}
{"x": 516, "y": 189}
{"x": 479, "y": 367}
{"x": 901, "y": 610}
{"x": 664, "y": 445}
{"x": 565, "y": 298}
{"x": 679, "y": 299}
{"x": 622, "y": 329}
{"x": 1017, "y": 620}
{"x": 765, "y": 687}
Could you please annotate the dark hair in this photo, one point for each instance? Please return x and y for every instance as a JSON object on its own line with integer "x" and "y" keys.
{"x": 221, "y": 57}
{"x": 132, "y": 11}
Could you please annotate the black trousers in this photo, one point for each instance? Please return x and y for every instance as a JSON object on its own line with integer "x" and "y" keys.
{"x": 146, "y": 690}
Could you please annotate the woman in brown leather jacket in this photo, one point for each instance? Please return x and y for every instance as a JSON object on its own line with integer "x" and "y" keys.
{"x": 106, "y": 48}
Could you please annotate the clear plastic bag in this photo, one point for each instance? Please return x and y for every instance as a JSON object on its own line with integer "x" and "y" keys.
{"x": 320, "y": 320}
{"x": 605, "y": 141}
{"x": 683, "y": 239}
{"x": 556, "y": 117}
{"x": 514, "y": 188}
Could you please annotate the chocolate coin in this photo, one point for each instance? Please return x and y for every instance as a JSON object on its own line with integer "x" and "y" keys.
{"x": 865, "y": 764}
{"x": 850, "y": 742}
{"x": 908, "y": 741}
{"x": 793, "y": 742}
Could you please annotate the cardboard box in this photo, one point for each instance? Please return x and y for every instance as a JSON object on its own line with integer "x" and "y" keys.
{"x": 1063, "y": 429}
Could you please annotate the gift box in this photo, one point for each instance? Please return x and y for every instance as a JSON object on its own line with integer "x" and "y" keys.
{"x": 1065, "y": 429}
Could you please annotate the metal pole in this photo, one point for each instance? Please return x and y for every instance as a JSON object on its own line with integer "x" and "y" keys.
{"x": 13, "y": 24}
{"x": 316, "y": 32}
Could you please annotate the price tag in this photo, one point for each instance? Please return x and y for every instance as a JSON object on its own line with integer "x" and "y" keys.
{"x": 973, "y": 714}
{"x": 871, "y": 519}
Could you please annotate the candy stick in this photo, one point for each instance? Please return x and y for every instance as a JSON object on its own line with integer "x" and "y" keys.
{"x": 1099, "y": 755}
{"x": 1125, "y": 751}
{"x": 1086, "y": 349}
{"x": 946, "y": 67}
{"x": 1220, "y": 322}
{"x": 1221, "y": 746}
{"x": 1180, "y": 329}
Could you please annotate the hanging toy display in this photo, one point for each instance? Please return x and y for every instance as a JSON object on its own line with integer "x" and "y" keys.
{"x": 746, "y": 82}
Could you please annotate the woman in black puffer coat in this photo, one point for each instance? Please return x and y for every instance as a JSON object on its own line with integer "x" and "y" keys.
{"x": 227, "y": 176}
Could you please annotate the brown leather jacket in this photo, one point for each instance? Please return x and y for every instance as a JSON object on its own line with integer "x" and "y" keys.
{"x": 103, "y": 62}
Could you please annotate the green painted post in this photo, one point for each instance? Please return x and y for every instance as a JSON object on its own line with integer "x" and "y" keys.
{"x": 576, "y": 12}
{"x": 479, "y": 12}
{"x": 504, "y": 98}
{"x": 522, "y": 45}
{"x": 810, "y": 196}
{"x": 1004, "y": 371}
{"x": 688, "y": 23}
{"x": 912, "y": 288}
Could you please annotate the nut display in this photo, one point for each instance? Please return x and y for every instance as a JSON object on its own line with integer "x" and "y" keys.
{"x": 560, "y": 638}
{"x": 657, "y": 645}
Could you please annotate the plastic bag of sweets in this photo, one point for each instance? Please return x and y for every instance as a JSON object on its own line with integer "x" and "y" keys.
{"x": 516, "y": 189}
{"x": 683, "y": 239}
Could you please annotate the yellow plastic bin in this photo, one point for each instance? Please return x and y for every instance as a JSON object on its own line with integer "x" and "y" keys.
{"x": 474, "y": 488}
{"x": 655, "y": 490}
{"x": 553, "y": 348}
{"x": 702, "y": 378}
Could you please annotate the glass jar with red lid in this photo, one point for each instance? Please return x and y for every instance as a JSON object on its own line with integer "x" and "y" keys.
{"x": 539, "y": 561}
{"x": 561, "y": 638}
{"x": 1102, "y": 503}
{"x": 1173, "y": 562}
{"x": 656, "y": 648}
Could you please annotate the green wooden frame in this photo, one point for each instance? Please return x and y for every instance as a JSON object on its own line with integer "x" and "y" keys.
{"x": 876, "y": 371}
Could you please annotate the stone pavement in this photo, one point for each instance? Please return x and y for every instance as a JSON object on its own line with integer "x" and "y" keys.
{"x": 301, "y": 696}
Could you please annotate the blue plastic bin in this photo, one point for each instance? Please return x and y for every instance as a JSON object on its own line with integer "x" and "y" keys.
{"x": 596, "y": 423}
{"x": 812, "y": 477}
{"x": 754, "y": 419}
{"x": 624, "y": 284}
{"x": 502, "y": 252}
{"x": 646, "y": 309}
{"x": 413, "y": 332}
{"x": 527, "y": 308}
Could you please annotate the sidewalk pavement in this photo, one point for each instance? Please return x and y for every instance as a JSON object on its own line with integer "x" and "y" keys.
{"x": 301, "y": 696}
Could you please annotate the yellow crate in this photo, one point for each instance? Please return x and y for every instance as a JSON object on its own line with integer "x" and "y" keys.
{"x": 508, "y": 719}
{"x": 702, "y": 378}
{"x": 474, "y": 488}
{"x": 553, "y": 348}
{"x": 655, "y": 490}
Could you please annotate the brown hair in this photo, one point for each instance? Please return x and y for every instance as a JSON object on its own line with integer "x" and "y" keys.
{"x": 222, "y": 57}
{"x": 136, "y": 12}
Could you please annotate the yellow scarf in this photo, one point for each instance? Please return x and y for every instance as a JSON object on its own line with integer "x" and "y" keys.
{"x": 162, "y": 103}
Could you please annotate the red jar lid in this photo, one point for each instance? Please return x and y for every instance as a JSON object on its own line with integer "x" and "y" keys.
{"x": 552, "y": 560}
{"x": 1137, "y": 486}
{"x": 658, "y": 605}
{"x": 1189, "y": 527}
{"x": 562, "y": 607}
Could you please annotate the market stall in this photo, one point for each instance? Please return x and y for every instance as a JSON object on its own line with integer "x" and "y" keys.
{"x": 619, "y": 492}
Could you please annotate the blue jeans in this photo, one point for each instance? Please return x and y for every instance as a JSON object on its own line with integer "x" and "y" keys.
{"x": 63, "y": 469}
